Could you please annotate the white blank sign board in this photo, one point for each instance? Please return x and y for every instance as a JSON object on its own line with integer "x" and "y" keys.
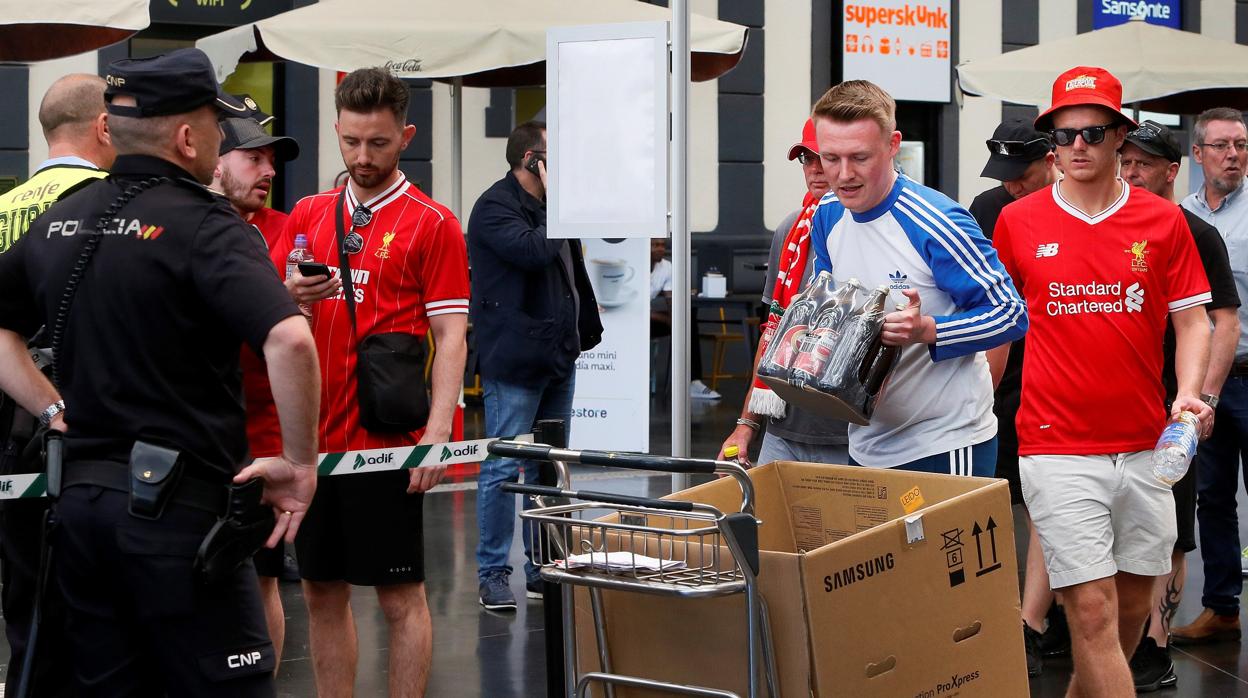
{"x": 607, "y": 131}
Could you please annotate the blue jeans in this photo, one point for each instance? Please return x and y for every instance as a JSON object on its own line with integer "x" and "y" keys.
{"x": 979, "y": 460}
{"x": 1217, "y": 484}
{"x": 512, "y": 409}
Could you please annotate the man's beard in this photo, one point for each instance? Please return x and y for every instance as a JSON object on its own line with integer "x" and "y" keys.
{"x": 1227, "y": 183}
{"x": 376, "y": 178}
{"x": 239, "y": 193}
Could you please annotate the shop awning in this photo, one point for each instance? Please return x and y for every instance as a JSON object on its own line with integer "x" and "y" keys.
{"x": 1161, "y": 69}
{"x": 35, "y": 30}
{"x": 487, "y": 43}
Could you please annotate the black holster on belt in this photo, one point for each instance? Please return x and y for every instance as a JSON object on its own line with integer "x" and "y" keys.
{"x": 154, "y": 474}
{"x": 237, "y": 536}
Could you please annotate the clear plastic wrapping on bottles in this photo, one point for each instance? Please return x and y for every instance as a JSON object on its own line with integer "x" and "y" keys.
{"x": 826, "y": 353}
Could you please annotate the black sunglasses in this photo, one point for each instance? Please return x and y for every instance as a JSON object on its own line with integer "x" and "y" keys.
{"x": 1091, "y": 134}
{"x": 1013, "y": 148}
{"x": 806, "y": 157}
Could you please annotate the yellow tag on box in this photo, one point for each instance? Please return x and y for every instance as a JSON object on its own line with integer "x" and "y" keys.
{"x": 912, "y": 500}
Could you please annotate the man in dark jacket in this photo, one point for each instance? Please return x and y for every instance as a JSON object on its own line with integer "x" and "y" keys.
{"x": 533, "y": 313}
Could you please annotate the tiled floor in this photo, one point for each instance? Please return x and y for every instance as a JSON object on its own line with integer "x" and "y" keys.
{"x": 487, "y": 655}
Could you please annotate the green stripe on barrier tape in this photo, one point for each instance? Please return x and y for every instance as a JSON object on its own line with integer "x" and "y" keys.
{"x": 34, "y": 485}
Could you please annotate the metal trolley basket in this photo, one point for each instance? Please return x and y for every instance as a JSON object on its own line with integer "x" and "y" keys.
{"x": 650, "y": 546}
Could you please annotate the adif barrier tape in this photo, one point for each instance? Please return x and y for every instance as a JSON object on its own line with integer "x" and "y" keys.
{"x": 34, "y": 485}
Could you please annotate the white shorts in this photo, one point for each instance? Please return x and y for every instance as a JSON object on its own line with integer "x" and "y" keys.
{"x": 1099, "y": 515}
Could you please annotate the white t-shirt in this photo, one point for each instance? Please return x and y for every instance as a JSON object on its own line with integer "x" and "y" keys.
{"x": 939, "y": 397}
{"x": 660, "y": 278}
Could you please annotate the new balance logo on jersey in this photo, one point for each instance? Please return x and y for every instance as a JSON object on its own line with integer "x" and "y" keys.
{"x": 1134, "y": 298}
{"x": 1046, "y": 250}
{"x": 898, "y": 280}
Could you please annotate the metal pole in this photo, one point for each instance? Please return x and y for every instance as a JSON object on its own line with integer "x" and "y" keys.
{"x": 457, "y": 147}
{"x": 681, "y": 252}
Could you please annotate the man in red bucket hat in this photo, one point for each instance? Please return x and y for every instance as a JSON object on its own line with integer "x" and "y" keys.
{"x": 1102, "y": 266}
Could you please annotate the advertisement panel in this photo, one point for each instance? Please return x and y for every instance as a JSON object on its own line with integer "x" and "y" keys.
{"x": 902, "y": 46}
{"x": 1107, "y": 13}
{"x": 611, "y": 408}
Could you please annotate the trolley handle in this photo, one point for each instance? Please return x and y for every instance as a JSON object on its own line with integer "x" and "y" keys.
{"x": 604, "y": 497}
{"x": 617, "y": 459}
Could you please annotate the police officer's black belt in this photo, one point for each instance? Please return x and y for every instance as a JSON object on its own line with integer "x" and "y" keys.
{"x": 191, "y": 492}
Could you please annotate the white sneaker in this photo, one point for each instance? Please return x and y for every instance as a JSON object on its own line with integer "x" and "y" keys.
{"x": 699, "y": 391}
{"x": 1243, "y": 563}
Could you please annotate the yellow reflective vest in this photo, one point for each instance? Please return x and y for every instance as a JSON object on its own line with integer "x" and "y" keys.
{"x": 20, "y": 206}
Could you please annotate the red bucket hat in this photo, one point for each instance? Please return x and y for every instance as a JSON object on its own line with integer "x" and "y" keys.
{"x": 1084, "y": 85}
{"x": 808, "y": 141}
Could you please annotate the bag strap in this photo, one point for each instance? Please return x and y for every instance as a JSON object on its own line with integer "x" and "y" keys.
{"x": 344, "y": 267}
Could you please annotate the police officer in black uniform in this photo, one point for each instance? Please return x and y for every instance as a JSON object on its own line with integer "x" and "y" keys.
{"x": 149, "y": 284}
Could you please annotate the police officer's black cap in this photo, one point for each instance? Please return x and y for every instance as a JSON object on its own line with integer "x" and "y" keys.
{"x": 1155, "y": 139}
{"x": 177, "y": 82}
{"x": 1013, "y": 146}
{"x": 246, "y": 134}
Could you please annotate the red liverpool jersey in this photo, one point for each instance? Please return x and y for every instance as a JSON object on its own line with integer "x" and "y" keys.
{"x": 413, "y": 265}
{"x": 1098, "y": 291}
{"x": 264, "y": 433}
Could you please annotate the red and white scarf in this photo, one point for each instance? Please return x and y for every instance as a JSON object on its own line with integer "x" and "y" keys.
{"x": 793, "y": 257}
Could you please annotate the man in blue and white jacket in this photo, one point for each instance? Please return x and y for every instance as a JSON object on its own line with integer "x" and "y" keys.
{"x": 882, "y": 227}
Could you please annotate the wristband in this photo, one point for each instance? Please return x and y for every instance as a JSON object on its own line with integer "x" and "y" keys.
{"x": 742, "y": 421}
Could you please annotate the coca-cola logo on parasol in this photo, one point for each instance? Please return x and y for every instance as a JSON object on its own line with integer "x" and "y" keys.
{"x": 410, "y": 65}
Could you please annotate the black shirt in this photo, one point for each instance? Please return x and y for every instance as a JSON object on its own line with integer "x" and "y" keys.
{"x": 987, "y": 206}
{"x": 152, "y": 343}
{"x": 1217, "y": 264}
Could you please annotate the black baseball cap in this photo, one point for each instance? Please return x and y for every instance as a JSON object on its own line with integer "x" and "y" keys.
{"x": 1013, "y": 146}
{"x": 172, "y": 83}
{"x": 245, "y": 134}
{"x": 1155, "y": 139}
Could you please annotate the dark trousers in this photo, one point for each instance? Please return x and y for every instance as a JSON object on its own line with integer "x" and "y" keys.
{"x": 1218, "y": 475}
{"x": 139, "y": 622}
{"x": 21, "y": 534}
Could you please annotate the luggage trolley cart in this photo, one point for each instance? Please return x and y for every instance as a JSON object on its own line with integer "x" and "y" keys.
{"x": 650, "y": 546}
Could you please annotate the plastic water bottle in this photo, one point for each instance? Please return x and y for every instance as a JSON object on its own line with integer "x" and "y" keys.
{"x": 297, "y": 255}
{"x": 1176, "y": 448}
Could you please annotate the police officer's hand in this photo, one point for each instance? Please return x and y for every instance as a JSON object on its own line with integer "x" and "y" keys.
{"x": 309, "y": 289}
{"x": 288, "y": 488}
{"x": 425, "y": 477}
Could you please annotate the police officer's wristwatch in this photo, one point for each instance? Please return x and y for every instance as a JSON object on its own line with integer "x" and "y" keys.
{"x": 49, "y": 413}
{"x": 1210, "y": 400}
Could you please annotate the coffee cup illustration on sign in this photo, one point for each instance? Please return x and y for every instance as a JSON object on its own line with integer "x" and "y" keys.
{"x": 611, "y": 277}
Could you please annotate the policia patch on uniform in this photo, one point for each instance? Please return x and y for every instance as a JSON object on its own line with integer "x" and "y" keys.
{"x": 230, "y": 664}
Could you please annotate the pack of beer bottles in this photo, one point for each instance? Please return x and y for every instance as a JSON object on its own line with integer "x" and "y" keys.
{"x": 828, "y": 343}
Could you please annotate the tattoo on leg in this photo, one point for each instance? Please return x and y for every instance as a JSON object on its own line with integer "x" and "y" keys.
{"x": 1170, "y": 602}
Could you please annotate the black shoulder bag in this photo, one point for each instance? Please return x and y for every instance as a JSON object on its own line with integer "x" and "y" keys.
{"x": 389, "y": 367}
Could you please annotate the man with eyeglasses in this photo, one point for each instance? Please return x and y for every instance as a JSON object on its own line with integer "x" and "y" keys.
{"x": 1022, "y": 159}
{"x": 1150, "y": 160}
{"x": 533, "y": 313}
{"x": 1102, "y": 266}
{"x": 1220, "y": 146}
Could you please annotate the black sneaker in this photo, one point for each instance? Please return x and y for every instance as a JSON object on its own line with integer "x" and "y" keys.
{"x": 1151, "y": 667}
{"x": 495, "y": 593}
{"x": 1031, "y": 644}
{"x": 1056, "y": 639}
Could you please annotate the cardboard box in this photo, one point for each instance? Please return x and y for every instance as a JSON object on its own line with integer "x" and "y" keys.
{"x": 878, "y": 583}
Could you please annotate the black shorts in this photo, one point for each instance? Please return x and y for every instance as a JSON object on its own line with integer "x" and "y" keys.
{"x": 1185, "y": 509}
{"x": 270, "y": 561}
{"x": 363, "y": 529}
{"x": 1007, "y": 448}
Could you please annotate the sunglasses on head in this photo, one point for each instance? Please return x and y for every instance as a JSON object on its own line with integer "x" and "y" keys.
{"x": 1091, "y": 134}
{"x": 1012, "y": 148}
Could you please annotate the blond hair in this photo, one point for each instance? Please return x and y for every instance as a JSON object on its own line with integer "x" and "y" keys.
{"x": 854, "y": 100}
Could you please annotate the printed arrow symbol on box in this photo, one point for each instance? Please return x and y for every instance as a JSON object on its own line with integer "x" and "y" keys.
{"x": 979, "y": 550}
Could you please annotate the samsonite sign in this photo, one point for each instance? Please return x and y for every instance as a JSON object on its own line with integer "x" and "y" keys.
{"x": 1107, "y": 13}
{"x": 903, "y": 46}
